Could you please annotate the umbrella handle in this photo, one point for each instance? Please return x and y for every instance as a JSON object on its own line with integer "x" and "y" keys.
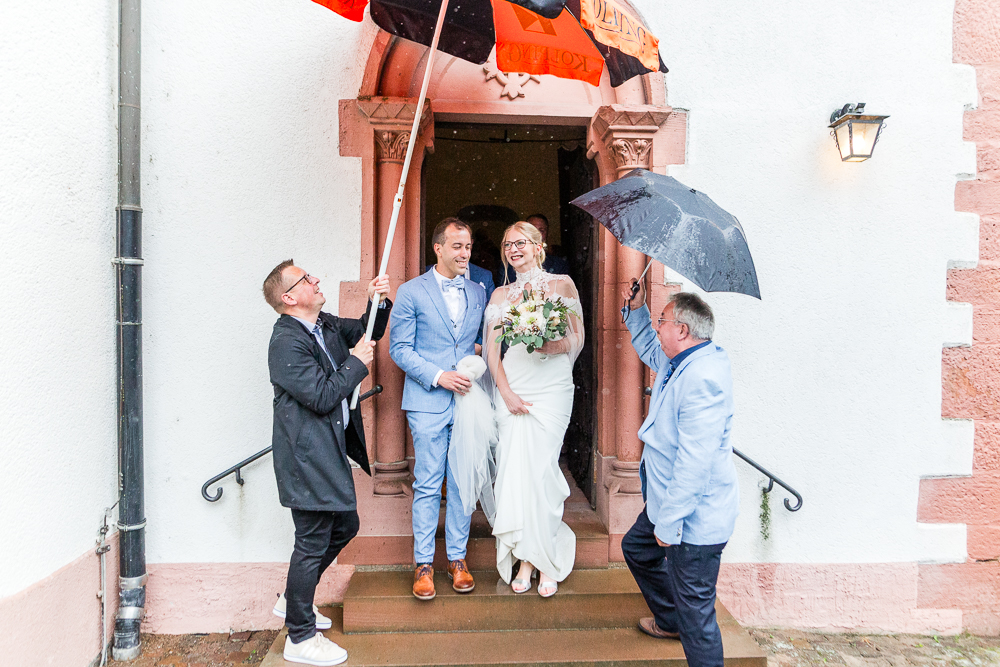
{"x": 635, "y": 290}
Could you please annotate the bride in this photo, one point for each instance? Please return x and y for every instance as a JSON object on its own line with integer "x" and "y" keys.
{"x": 534, "y": 400}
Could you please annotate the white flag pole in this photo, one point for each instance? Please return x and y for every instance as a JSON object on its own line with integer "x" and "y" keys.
{"x": 398, "y": 201}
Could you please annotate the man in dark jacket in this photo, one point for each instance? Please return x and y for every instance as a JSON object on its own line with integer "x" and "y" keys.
{"x": 314, "y": 371}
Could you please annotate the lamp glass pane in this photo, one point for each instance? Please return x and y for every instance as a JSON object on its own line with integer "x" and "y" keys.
{"x": 844, "y": 140}
{"x": 864, "y": 135}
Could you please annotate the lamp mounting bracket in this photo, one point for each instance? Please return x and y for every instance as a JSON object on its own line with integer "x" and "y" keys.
{"x": 855, "y": 109}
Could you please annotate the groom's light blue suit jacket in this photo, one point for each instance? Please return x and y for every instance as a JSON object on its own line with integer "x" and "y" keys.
{"x": 689, "y": 481}
{"x": 423, "y": 340}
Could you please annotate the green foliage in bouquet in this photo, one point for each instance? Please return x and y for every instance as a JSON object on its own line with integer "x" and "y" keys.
{"x": 533, "y": 321}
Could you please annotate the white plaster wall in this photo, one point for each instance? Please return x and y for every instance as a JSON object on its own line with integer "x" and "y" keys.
{"x": 57, "y": 365}
{"x": 241, "y": 169}
{"x": 838, "y": 368}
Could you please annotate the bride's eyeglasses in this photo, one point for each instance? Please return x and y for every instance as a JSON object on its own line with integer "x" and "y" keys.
{"x": 519, "y": 244}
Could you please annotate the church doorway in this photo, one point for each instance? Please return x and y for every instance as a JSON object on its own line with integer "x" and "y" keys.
{"x": 492, "y": 175}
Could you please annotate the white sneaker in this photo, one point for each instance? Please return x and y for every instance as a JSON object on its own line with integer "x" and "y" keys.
{"x": 317, "y": 650}
{"x": 322, "y": 622}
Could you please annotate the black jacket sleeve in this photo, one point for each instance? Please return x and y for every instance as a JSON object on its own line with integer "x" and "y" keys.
{"x": 354, "y": 330}
{"x": 293, "y": 367}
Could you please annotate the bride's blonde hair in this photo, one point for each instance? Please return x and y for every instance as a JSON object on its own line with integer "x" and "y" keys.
{"x": 531, "y": 233}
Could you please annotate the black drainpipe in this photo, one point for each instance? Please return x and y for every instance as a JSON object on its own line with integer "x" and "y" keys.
{"x": 128, "y": 312}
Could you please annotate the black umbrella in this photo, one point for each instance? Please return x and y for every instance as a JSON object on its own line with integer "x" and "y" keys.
{"x": 677, "y": 226}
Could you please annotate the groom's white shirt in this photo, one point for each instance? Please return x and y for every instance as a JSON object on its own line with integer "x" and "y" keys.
{"x": 454, "y": 299}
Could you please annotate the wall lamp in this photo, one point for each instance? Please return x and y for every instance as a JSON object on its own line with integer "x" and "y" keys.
{"x": 855, "y": 132}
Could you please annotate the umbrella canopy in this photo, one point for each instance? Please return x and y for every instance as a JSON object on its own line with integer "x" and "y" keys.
{"x": 677, "y": 226}
{"x": 571, "y": 39}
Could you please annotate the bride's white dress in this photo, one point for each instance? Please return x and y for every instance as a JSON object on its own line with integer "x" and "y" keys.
{"x": 530, "y": 488}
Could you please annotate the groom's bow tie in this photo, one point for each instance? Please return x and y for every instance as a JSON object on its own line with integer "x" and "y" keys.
{"x": 454, "y": 283}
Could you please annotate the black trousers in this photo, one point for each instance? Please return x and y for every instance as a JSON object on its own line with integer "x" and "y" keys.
{"x": 678, "y": 583}
{"x": 319, "y": 537}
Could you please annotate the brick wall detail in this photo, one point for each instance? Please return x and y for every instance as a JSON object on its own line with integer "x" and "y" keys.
{"x": 971, "y": 375}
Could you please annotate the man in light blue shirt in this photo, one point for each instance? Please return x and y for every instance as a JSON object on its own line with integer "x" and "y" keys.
{"x": 688, "y": 479}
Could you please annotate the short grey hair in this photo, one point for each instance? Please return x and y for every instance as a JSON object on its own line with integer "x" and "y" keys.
{"x": 691, "y": 309}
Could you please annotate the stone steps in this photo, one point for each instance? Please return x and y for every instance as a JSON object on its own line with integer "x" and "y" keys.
{"x": 481, "y": 550}
{"x": 608, "y": 647}
{"x": 382, "y": 602}
{"x": 590, "y": 621}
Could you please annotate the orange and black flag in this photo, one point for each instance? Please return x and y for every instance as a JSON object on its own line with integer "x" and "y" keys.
{"x": 349, "y": 9}
{"x": 529, "y": 43}
{"x": 571, "y": 39}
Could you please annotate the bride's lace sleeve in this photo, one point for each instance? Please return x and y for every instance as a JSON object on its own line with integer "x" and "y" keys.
{"x": 573, "y": 341}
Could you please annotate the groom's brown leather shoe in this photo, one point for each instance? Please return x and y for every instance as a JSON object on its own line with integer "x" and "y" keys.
{"x": 461, "y": 580}
{"x": 423, "y": 582}
{"x": 649, "y": 626}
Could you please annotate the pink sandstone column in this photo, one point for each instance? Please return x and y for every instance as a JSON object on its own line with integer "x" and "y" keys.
{"x": 626, "y": 135}
{"x": 391, "y": 473}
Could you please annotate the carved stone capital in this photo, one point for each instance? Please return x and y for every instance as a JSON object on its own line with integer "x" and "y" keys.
{"x": 390, "y": 145}
{"x": 391, "y": 119}
{"x": 392, "y": 479}
{"x": 630, "y": 153}
{"x": 626, "y": 134}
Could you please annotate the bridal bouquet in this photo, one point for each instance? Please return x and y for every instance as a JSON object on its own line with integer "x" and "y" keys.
{"x": 533, "y": 321}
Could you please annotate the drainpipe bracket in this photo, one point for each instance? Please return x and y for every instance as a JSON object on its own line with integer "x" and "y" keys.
{"x": 131, "y": 613}
{"x": 136, "y": 261}
{"x": 137, "y": 526}
{"x": 130, "y": 583}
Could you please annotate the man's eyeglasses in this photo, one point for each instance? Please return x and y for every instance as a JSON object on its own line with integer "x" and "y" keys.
{"x": 660, "y": 321}
{"x": 306, "y": 278}
{"x": 519, "y": 244}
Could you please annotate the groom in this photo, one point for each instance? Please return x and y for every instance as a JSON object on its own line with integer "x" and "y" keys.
{"x": 434, "y": 323}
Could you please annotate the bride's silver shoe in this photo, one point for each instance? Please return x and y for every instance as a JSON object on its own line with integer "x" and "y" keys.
{"x": 524, "y": 584}
{"x": 547, "y": 585}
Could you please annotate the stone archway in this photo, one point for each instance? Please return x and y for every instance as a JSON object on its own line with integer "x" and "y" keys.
{"x": 627, "y": 127}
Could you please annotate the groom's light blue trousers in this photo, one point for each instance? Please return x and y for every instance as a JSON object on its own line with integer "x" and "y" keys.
{"x": 431, "y": 435}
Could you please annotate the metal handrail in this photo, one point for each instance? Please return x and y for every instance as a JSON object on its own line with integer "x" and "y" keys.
{"x": 770, "y": 476}
{"x": 377, "y": 389}
{"x": 771, "y": 482}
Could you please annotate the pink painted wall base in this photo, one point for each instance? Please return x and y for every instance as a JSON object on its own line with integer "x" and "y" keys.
{"x": 223, "y": 597}
{"x": 867, "y": 597}
{"x": 56, "y": 622}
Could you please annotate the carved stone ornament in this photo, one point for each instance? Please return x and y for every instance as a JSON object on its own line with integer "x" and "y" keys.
{"x": 391, "y": 119}
{"x": 627, "y": 134}
{"x": 390, "y": 145}
{"x": 631, "y": 153}
{"x": 511, "y": 81}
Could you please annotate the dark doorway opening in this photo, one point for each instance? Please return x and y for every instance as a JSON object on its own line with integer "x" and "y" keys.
{"x": 493, "y": 175}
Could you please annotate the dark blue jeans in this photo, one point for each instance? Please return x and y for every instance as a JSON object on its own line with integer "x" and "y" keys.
{"x": 678, "y": 583}
{"x": 319, "y": 537}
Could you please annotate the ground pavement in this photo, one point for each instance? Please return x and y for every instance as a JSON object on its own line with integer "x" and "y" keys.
{"x": 785, "y": 648}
